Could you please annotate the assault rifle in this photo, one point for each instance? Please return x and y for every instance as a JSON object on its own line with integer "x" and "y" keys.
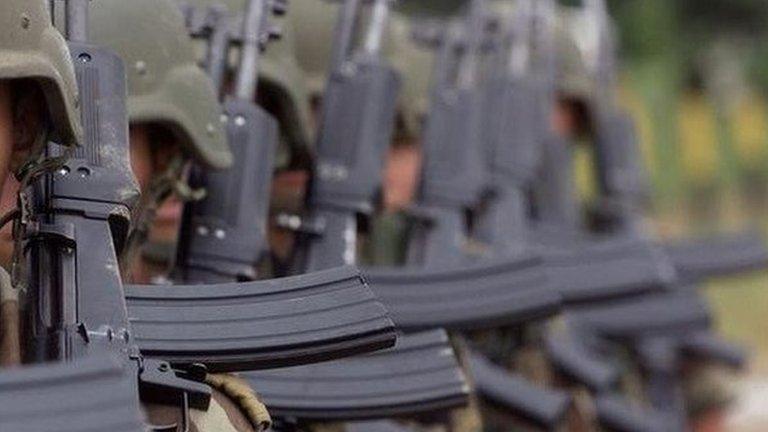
{"x": 280, "y": 322}
{"x": 356, "y": 126}
{"x": 423, "y": 374}
{"x": 224, "y": 236}
{"x": 452, "y": 177}
{"x": 73, "y": 221}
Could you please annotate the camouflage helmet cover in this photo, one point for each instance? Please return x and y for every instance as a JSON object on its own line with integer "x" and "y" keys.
{"x": 31, "y": 48}
{"x": 165, "y": 84}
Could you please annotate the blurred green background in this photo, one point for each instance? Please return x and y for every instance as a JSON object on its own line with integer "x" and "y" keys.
{"x": 695, "y": 75}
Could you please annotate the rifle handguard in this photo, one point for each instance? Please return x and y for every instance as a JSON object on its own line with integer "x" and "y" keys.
{"x": 421, "y": 374}
{"x": 257, "y": 325}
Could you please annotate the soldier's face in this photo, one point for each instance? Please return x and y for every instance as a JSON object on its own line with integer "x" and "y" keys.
{"x": 151, "y": 153}
{"x": 20, "y": 121}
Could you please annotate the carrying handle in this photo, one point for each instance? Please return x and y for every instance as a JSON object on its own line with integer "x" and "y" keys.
{"x": 253, "y": 22}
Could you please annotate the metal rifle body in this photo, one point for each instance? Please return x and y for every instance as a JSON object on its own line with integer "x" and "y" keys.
{"x": 356, "y": 126}
{"x": 452, "y": 176}
{"x": 224, "y": 235}
{"x": 510, "y": 134}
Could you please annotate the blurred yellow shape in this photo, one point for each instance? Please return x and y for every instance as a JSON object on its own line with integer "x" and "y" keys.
{"x": 698, "y": 138}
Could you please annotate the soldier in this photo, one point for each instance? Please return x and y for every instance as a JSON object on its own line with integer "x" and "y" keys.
{"x": 174, "y": 119}
{"x": 38, "y": 103}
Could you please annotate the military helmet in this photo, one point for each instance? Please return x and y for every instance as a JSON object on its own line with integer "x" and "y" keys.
{"x": 31, "y": 48}
{"x": 281, "y": 80}
{"x": 165, "y": 83}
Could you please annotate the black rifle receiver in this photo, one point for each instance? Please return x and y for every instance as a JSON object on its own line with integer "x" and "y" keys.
{"x": 356, "y": 125}
{"x": 452, "y": 175}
